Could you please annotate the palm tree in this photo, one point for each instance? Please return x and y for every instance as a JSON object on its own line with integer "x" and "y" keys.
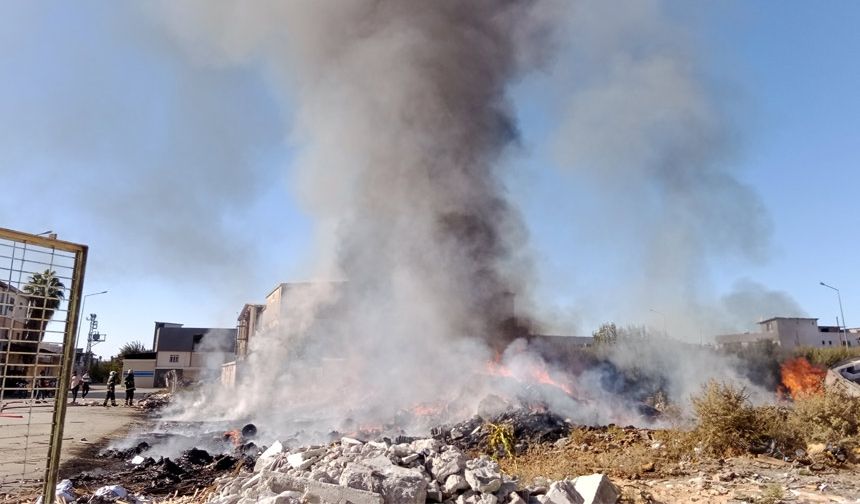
{"x": 45, "y": 291}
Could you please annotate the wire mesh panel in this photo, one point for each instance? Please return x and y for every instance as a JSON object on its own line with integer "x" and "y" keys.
{"x": 40, "y": 288}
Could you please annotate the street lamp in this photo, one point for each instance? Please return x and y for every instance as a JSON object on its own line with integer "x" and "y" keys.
{"x": 81, "y": 320}
{"x": 841, "y": 313}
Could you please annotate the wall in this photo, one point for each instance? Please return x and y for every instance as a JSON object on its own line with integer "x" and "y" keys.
{"x": 163, "y": 360}
{"x": 144, "y": 371}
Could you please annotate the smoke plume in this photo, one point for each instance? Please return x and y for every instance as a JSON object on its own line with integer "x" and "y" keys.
{"x": 403, "y": 122}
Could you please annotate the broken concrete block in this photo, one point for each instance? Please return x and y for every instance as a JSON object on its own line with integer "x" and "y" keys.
{"x": 429, "y": 445}
{"x": 360, "y": 476}
{"x": 596, "y": 489}
{"x": 434, "y": 492}
{"x": 445, "y": 464}
{"x": 400, "y": 450}
{"x": 516, "y": 498}
{"x": 288, "y": 497}
{"x": 305, "y": 459}
{"x": 484, "y": 479}
{"x": 267, "y": 458}
{"x": 404, "y": 490}
{"x": 463, "y": 498}
{"x": 409, "y": 458}
{"x": 454, "y": 484}
{"x": 350, "y": 441}
{"x": 314, "y": 491}
{"x": 563, "y": 492}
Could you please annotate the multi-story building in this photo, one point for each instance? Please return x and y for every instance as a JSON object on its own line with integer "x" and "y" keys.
{"x": 792, "y": 332}
{"x": 193, "y": 353}
{"x": 14, "y": 306}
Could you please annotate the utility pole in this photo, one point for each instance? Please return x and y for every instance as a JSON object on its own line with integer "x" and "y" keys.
{"x": 80, "y": 322}
{"x": 844, "y": 331}
{"x": 93, "y": 338}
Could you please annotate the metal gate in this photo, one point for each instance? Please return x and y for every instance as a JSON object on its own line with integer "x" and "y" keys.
{"x": 40, "y": 292}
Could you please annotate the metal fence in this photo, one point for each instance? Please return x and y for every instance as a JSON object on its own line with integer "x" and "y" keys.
{"x": 40, "y": 292}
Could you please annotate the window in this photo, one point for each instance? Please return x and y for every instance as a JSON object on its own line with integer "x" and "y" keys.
{"x": 823, "y": 343}
{"x": 174, "y": 358}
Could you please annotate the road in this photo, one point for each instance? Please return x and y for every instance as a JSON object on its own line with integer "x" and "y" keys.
{"x": 25, "y": 434}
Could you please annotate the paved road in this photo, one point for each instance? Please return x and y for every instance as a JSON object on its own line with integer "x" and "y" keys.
{"x": 25, "y": 434}
{"x": 98, "y": 392}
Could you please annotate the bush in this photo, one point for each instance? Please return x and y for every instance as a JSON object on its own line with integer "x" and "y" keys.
{"x": 827, "y": 357}
{"x": 825, "y": 418}
{"x": 726, "y": 419}
{"x": 728, "y": 424}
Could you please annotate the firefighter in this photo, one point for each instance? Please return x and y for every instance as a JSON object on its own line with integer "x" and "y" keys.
{"x": 112, "y": 382}
{"x": 129, "y": 387}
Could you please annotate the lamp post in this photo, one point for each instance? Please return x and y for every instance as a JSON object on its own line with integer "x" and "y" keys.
{"x": 81, "y": 320}
{"x": 841, "y": 313}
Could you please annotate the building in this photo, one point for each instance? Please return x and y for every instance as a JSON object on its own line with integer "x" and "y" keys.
{"x": 314, "y": 299}
{"x": 143, "y": 365}
{"x": 194, "y": 353}
{"x": 792, "y": 332}
{"x": 14, "y": 306}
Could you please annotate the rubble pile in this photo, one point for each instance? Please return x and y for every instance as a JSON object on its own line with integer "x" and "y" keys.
{"x": 154, "y": 401}
{"x": 526, "y": 428}
{"x": 382, "y": 472}
{"x": 195, "y": 468}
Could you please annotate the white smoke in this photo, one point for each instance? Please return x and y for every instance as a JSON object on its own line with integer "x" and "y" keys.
{"x": 402, "y": 118}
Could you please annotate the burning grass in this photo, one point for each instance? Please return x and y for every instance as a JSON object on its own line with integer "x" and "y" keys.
{"x": 799, "y": 377}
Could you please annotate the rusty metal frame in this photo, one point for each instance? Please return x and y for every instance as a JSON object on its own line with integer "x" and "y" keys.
{"x": 70, "y": 332}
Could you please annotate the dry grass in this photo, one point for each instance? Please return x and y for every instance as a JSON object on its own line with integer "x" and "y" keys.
{"x": 831, "y": 417}
{"x": 727, "y": 421}
{"x": 617, "y": 452}
{"x": 828, "y": 357}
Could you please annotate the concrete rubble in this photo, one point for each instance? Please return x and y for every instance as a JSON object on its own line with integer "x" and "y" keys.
{"x": 381, "y": 472}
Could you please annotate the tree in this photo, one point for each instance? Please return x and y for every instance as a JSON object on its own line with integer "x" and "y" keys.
{"x": 45, "y": 292}
{"x": 606, "y": 334}
{"x": 132, "y": 347}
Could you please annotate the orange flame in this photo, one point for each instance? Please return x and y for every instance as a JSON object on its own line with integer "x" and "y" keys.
{"x": 426, "y": 409}
{"x": 533, "y": 374}
{"x": 800, "y": 377}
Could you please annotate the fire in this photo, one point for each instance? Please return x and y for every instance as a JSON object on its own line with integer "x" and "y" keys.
{"x": 427, "y": 409}
{"x": 800, "y": 377}
{"x": 533, "y": 374}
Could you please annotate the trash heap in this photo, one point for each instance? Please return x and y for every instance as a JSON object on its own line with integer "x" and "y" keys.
{"x": 154, "y": 401}
{"x": 384, "y": 472}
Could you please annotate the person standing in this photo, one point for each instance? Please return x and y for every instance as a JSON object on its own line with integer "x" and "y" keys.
{"x": 112, "y": 382}
{"x": 75, "y": 385}
{"x": 129, "y": 387}
{"x": 85, "y": 385}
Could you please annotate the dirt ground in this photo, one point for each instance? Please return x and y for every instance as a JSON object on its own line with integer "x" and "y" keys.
{"x": 651, "y": 466}
{"x": 24, "y": 441}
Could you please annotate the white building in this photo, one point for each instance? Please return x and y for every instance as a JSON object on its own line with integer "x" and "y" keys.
{"x": 792, "y": 332}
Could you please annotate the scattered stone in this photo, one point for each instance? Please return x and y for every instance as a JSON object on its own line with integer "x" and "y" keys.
{"x": 268, "y": 457}
{"x": 596, "y": 489}
{"x": 563, "y": 492}
{"x": 446, "y": 463}
{"x": 484, "y": 478}
{"x": 454, "y": 484}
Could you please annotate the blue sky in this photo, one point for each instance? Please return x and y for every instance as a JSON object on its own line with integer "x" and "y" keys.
{"x": 178, "y": 174}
